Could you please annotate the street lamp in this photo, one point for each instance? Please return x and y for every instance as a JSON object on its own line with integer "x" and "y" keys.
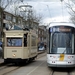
{"x": 25, "y": 8}
{"x": 61, "y": 0}
{"x": 62, "y": 9}
{"x": 28, "y": 11}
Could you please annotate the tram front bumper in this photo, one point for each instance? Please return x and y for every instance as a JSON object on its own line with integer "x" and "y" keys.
{"x": 61, "y": 64}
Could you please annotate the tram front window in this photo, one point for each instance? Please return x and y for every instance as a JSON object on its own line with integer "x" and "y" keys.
{"x": 61, "y": 43}
{"x": 14, "y": 42}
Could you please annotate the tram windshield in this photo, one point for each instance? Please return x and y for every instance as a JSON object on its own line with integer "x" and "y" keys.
{"x": 61, "y": 43}
{"x": 14, "y": 42}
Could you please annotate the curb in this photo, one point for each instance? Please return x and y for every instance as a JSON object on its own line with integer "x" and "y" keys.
{"x": 1, "y": 60}
{"x": 40, "y": 52}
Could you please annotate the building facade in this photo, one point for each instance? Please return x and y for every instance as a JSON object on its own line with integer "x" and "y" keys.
{"x": 9, "y": 20}
{"x": 1, "y": 23}
{"x": 42, "y": 33}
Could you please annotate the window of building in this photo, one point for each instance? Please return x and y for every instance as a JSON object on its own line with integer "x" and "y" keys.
{"x": 42, "y": 32}
{"x": 3, "y": 15}
{"x": 8, "y": 17}
{"x": 14, "y": 19}
{"x": 39, "y": 31}
{"x": 0, "y": 23}
{"x": 19, "y": 21}
{"x": 1, "y": 34}
{"x": 40, "y": 38}
{"x": 0, "y": 14}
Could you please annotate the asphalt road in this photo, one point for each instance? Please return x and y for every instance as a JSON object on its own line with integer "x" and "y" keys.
{"x": 37, "y": 67}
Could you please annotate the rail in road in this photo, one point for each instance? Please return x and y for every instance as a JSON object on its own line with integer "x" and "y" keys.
{"x": 5, "y": 69}
{"x": 36, "y": 67}
{"x": 40, "y": 53}
{"x": 62, "y": 71}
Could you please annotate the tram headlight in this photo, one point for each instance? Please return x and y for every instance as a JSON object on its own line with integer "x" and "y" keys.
{"x": 14, "y": 55}
{"x": 69, "y": 57}
{"x": 53, "y": 56}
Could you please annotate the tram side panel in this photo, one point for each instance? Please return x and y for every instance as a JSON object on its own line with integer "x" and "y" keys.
{"x": 33, "y": 45}
{"x": 13, "y": 53}
{"x": 30, "y": 50}
{"x": 26, "y": 48}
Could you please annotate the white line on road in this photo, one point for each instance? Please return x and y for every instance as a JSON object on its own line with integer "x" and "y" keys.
{"x": 35, "y": 68}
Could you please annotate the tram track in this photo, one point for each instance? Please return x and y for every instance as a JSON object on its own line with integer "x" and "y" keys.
{"x": 69, "y": 73}
{"x": 6, "y": 73}
{"x": 59, "y": 72}
{"x": 51, "y": 73}
{"x": 6, "y": 69}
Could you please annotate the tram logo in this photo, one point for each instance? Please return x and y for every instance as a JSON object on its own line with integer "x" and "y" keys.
{"x": 61, "y": 57}
{"x": 14, "y": 50}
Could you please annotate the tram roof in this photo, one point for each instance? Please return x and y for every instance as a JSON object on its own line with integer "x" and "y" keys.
{"x": 61, "y": 24}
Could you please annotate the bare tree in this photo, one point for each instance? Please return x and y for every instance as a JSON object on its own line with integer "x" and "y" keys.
{"x": 5, "y": 3}
{"x": 71, "y": 6}
{"x": 36, "y": 17}
{"x": 30, "y": 14}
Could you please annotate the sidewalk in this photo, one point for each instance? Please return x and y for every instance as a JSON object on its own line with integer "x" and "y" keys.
{"x": 1, "y": 60}
{"x": 41, "y": 54}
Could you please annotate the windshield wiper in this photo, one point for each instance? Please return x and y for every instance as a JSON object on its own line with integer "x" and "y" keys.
{"x": 63, "y": 51}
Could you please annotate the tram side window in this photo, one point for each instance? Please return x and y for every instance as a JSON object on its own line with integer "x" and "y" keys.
{"x": 25, "y": 40}
{"x": 33, "y": 41}
{"x": 15, "y": 42}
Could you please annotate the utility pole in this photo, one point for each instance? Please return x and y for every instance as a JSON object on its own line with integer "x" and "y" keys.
{"x": 26, "y": 9}
{"x": 62, "y": 9}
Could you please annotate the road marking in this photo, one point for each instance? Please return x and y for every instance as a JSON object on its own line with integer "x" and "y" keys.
{"x": 35, "y": 68}
{"x": 61, "y": 57}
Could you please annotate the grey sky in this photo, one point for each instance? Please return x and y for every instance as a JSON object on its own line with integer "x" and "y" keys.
{"x": 51, "y": 10}
{"x": 43, "y": 0}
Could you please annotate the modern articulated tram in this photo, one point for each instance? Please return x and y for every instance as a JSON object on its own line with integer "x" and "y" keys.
{"x": 61, "y": 45}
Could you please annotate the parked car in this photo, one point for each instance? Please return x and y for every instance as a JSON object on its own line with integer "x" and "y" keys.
{"x": 0, "y": 49}
{"x": 41, "y": 48}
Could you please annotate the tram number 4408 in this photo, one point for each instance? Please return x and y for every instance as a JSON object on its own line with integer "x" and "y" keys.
{"x": 14, "y": 50}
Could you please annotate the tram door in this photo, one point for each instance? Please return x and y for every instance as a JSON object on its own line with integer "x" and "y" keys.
{"x": 25, "y": 40}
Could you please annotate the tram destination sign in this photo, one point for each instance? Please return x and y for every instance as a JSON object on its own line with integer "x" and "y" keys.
{"x": 60, "y": 29}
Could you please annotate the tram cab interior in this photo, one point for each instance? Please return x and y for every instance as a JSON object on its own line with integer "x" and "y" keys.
{"x": 62, "y": 43}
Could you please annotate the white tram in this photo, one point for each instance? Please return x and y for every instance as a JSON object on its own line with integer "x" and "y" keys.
{"x": 20, "y": 45}
{"x": 61, "y": 45}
